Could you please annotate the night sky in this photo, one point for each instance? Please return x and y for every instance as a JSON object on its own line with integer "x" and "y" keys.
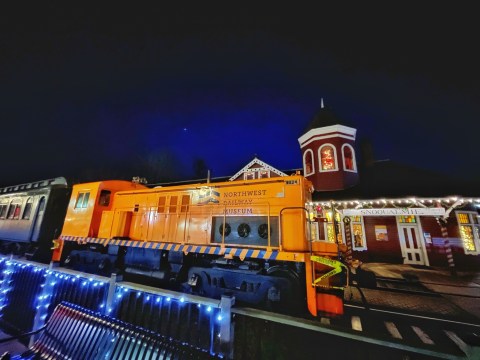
{"x": 165, "y": 93}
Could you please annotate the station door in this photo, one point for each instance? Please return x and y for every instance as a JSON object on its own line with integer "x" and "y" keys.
{"x": 411, "y": 243}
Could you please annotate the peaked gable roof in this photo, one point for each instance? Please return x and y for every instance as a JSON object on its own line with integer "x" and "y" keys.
{"x": 257, "y": 165}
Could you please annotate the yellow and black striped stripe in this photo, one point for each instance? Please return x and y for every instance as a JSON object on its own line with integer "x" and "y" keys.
{"x": 241, "y": 253}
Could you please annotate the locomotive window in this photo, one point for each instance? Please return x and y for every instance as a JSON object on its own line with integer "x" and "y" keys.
{"x": 28, "y": 209}
{"x": 78, "y": 203}
{"x": 85, "y": 199}
{"x": 185, "y": 202}
{"x": 104, "y": 199}
{"x": 82, "y": 200}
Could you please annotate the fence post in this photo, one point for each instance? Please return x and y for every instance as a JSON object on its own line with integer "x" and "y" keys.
{"x": 226, "y": 327}
{"x": 6, "y": 279}
{"x": 112, "y": 285}
{"x": 43, "y": 302}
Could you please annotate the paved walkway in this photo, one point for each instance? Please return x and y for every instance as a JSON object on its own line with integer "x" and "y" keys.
{"x": 459, "y": 296}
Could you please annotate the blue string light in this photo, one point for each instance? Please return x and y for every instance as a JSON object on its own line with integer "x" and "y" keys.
{"x": 52, "y": 288}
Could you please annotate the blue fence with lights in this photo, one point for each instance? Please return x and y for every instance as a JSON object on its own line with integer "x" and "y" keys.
{"x": 30, "y": 292}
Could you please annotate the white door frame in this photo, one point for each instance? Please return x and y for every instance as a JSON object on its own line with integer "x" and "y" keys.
{"x": 422, "y": 251}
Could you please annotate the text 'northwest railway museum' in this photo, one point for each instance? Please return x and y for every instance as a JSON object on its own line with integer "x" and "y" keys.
{"x": 376, "y": 215}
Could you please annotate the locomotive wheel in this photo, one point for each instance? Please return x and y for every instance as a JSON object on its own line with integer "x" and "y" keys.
{"x": 292, "y": 298}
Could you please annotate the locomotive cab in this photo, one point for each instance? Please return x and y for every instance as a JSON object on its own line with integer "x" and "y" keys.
{"x": 87, "y": 203}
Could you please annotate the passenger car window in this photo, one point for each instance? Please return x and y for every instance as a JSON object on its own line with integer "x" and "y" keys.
{"x": 3, "y": 211}
{"x": 14, "y": 210}
{"x": 28, "y": 209}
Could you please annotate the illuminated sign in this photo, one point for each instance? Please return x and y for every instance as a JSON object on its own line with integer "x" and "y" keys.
{"x": 394, "y": 212}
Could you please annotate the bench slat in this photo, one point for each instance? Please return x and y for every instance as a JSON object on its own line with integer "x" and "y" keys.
{"x": 74, "y": 332}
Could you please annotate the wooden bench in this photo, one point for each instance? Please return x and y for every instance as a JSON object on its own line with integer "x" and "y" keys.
{"x": 73, "y": 332}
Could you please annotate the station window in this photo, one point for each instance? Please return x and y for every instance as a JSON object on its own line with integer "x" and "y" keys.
{"x": 328, "y": 158}
{"x": 410, "y": 219}
{"x": 249, "y": 175}
{"x": 28, "y": 209}
{"x": 330, "y": 230}
{"x": 469, "y": 229}
{"x": 263, "y": 174}
{"x": 348, "y": 153}
{"x": 309, "y": 167}
{"x": 104, "y": 199}
{"x": 314, "y": 235}
{"x": 82, "y": 200}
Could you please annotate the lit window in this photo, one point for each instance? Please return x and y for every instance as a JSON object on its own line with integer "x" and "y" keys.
{"x": 407, "y": 219}
{"x": 358, "y": 233}
{"x": 329, "y": 228}
{"x": 249, "y": 175}
{"x": 469, "y": 231}
{"x": 263, "y": 174}
{"x": 308, "y": 164}
{"x": 314, "y": 235}
{"x": 328, "y": 158}
{"x": 348, "y": 158}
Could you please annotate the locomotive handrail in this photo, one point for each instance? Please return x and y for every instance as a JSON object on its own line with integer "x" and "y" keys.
{"x": 147, "y": 211}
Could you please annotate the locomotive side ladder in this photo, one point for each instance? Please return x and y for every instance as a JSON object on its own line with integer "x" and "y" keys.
{"x": 324, "y": 293}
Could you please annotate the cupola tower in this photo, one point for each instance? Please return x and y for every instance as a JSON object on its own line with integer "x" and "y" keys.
{"x": 328, "y": 152}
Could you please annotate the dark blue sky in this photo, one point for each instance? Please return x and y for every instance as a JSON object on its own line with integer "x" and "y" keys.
{"x": 89, "y": 93}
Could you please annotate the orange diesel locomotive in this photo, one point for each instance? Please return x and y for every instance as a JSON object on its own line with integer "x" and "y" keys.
{"x": 250, "y": 239}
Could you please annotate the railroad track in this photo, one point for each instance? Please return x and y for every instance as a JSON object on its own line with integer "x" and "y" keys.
{"x": 367, "y": 333}
{"x": 420, "y": 288}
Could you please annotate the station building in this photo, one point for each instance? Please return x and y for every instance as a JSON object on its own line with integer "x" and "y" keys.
{"x": 382, "y": 210}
